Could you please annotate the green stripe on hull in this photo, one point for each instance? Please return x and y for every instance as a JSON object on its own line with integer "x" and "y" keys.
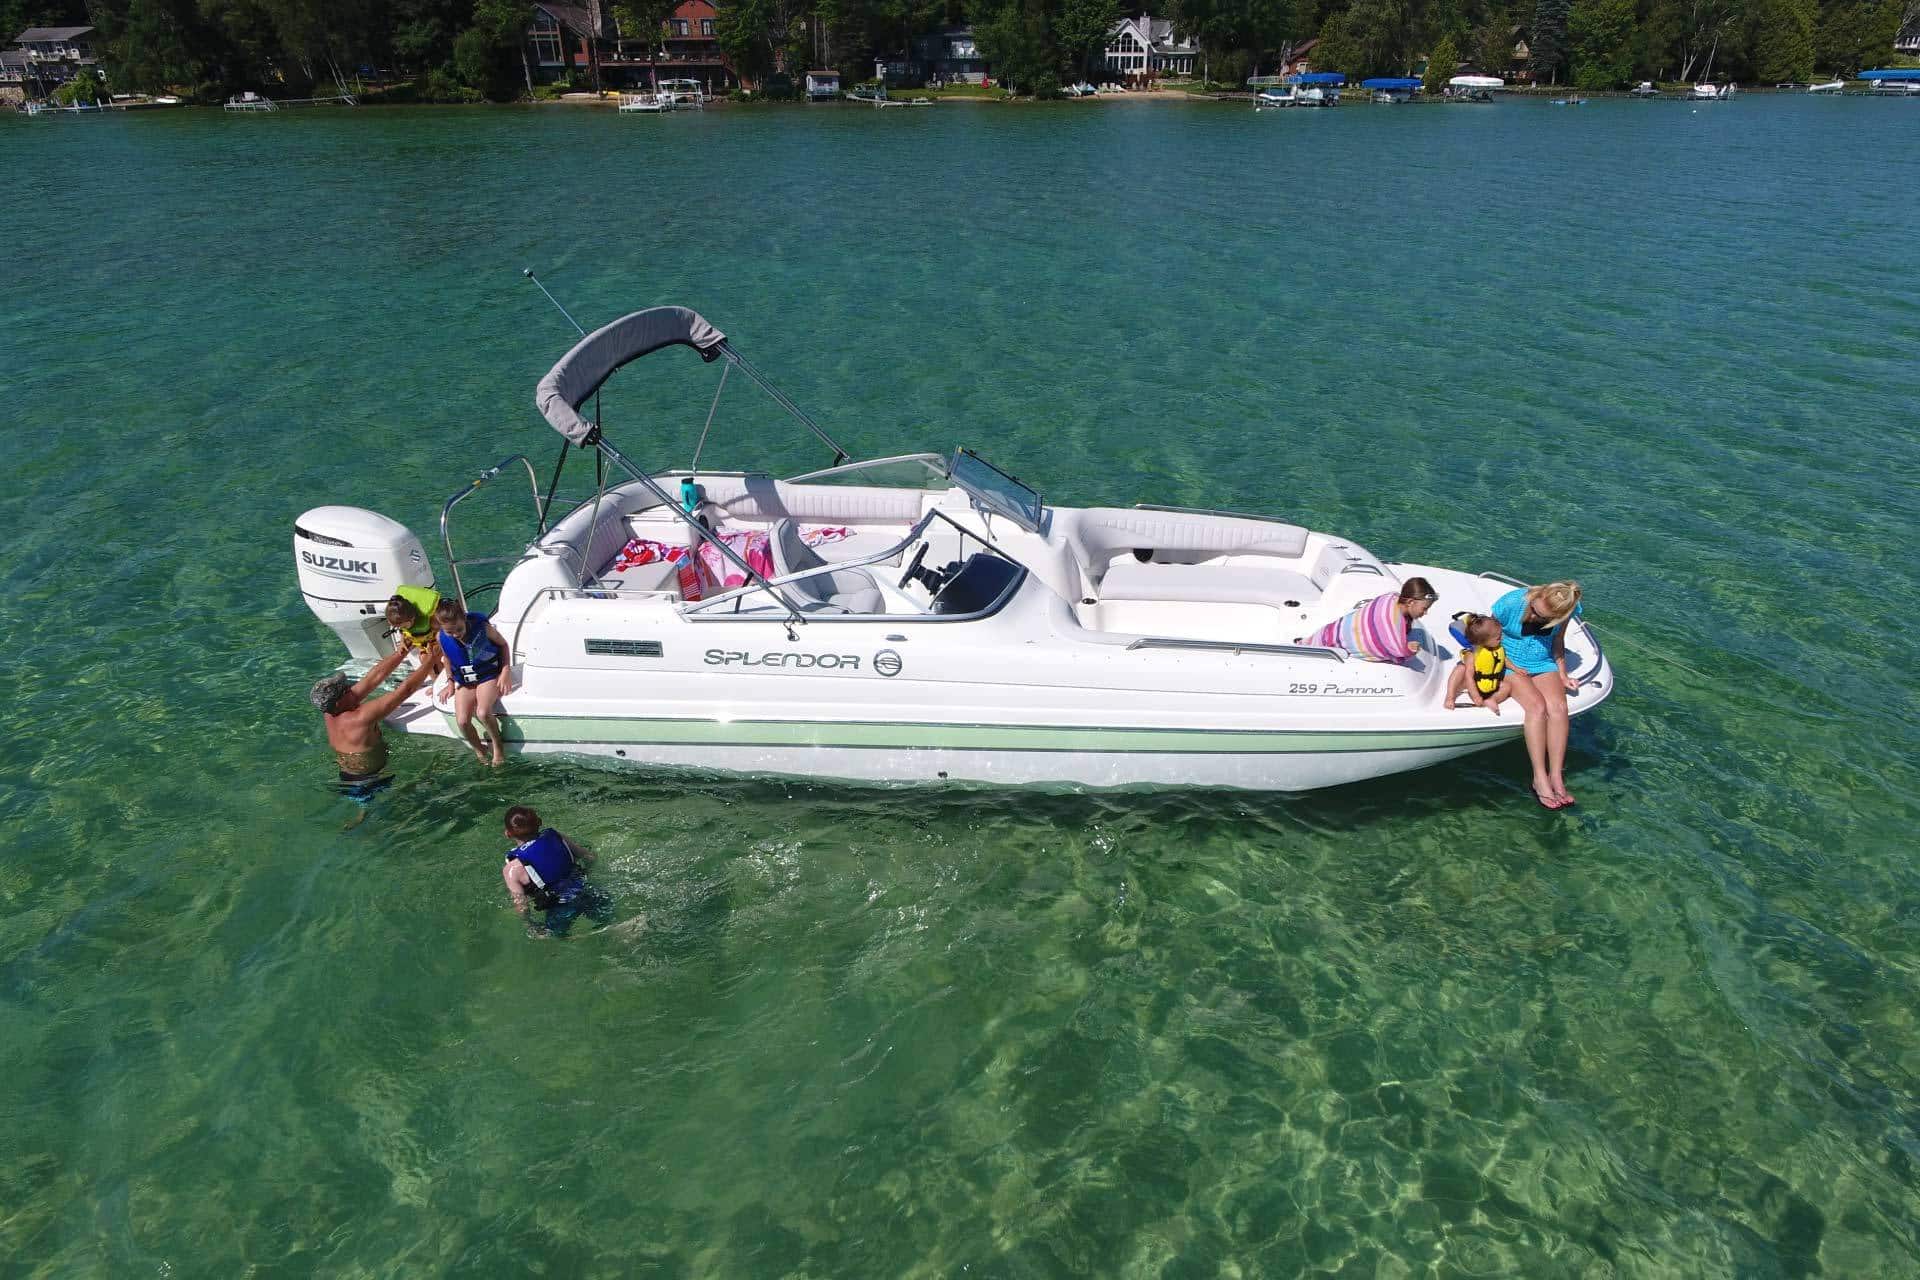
{"x": 556, "y": 730}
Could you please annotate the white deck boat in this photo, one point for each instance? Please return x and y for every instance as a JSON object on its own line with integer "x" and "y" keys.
{"x": 683, "y": 95}
{"x": 918, "y": 619}
{"x": 1270, "y": 92}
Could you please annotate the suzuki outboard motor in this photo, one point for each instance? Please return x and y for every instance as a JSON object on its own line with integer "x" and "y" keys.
{"x": 350, "y": 561}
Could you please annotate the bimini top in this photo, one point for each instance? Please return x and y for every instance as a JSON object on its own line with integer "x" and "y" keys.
{"x": 1901, "y": 73}
{"x": 595, "y": 358}
{"x": 1318, "y": 77}
{"x": 1391, "y": 82}
{"x": 1477, "y": 82}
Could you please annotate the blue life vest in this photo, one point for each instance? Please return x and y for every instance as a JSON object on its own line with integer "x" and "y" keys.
{"x": 476, "y": 659}
{"x": 550, "y": 867}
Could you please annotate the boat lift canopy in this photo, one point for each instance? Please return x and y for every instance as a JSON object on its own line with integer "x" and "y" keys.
{"x": 1318, "y": 77}
{"x": 1392, "y": 84}
{"x": 1477, "y": 82}
{"x": 1898, "y": 73}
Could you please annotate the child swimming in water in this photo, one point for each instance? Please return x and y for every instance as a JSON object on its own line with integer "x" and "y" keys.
{"x": 1481, "y": 672}
{"x": 482, "y": 669}
{"x": 544, "y": 871}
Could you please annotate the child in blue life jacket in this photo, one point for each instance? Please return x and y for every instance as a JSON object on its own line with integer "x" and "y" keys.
{"x": 544, "y": 870}
{"x": 482, "y": 671}
{"x": 1481, "y": 673}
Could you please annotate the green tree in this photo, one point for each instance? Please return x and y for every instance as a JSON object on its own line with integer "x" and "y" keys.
{"x": 1338, "y": 50}
{"x": 645, "y": 21}
{"x": 149, "y": 46}
{"x": 1015, "y": 38}
{"x": 761, "y": 37}
{"x": 1783, "y": 40}
{"x": 83, "y": 88}
{"x": 1600, "y": 43}
{"x": 1493, "y": 42}
{"x": 1851, "y": 36}
{"x": 1547, "y": 41}
{"x": 1441, "y": 64}
{"x": 1080, "y": 31}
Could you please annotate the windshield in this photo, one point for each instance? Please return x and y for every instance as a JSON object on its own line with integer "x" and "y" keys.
{"x": 996, "y": 491}
{"x": 909, "y": 471}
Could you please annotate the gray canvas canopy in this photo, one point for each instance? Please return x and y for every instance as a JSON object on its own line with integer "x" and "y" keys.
{"x": 596, "y": 357}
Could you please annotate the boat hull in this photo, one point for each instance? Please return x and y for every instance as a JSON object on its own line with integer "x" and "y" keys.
{"x": 953, "y": 712}
{"x": 993, "y": 755}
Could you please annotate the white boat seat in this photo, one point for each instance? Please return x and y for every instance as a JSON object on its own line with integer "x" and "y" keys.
{"x": 1205, "y": 584}
{"x": 836, "y": 591}
{"x": 1106, "y": 532}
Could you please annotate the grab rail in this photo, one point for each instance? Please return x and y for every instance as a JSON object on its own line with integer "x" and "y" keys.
{"x": 1206, "y": 511}
{"x": 1228, "y": 646}
{"x": 1501, "y": 577}
{"x": 446, "y": 513}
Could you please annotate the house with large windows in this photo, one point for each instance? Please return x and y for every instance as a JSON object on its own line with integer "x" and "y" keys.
{"x": 585, "y": 42}
{"x": 946, "y": 56}
{"x": 50, "y": 56}
{"x": 1144, "y": 48}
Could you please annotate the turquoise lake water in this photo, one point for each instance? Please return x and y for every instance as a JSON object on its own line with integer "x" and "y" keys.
{"x": 1412, "y": 1028}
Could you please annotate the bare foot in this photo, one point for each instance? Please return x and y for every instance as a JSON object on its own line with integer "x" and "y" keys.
{"x": 499, "y": 756}
{"x": 1562, "y": 794}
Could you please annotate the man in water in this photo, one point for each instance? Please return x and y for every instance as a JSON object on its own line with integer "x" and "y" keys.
{"x": 353, "y": 721}
{"x": 547, "y": 871}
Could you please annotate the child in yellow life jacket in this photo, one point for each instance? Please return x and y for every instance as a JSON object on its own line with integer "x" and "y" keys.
{"x": 409, "y": 615}
{"x": 1481, "y": 673}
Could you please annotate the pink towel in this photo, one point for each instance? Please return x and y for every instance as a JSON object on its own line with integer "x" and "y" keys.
{"x": 711, "y": 569}
{"x": 1373, "y": 632}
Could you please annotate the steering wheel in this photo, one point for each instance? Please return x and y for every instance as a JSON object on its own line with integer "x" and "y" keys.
{"x": 914, "y": 568}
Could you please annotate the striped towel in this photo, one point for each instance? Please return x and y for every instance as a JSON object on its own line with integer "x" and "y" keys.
{"x": 1373, "y": 632}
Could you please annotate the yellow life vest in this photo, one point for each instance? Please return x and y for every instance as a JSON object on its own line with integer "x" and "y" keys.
{"x": 1489, "y": 668}
{"x": 424, "y": 601}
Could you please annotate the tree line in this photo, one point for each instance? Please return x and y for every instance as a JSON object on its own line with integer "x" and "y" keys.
{"x": 469, "y": 49}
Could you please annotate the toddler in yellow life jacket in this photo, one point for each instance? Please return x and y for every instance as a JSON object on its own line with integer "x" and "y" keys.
{"x": 1481, "y": 673}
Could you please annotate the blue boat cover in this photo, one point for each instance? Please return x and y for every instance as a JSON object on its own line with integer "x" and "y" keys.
{"x": 1908, "y": 73}
{"x": 1391, "y": 82}
{"x": 1318, "y": 77}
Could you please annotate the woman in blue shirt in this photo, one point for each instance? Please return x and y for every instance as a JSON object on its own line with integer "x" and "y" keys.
{"x": 1533, "y": 622}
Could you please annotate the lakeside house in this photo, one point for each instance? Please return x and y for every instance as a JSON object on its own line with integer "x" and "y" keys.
{"x": 584, "y": 42}
{"x": 823, "y": 86}
{"x": 1140, "y": 49}
{"x": 42, "y": 59}
{"x": 947, "y": 55}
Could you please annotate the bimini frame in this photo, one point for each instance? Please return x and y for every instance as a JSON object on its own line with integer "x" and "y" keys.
{"x": 596, "y": 357}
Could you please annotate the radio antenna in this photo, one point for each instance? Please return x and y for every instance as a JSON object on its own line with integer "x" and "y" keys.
{"x": 599, "y": 462}
{"x": 528, "y": 273}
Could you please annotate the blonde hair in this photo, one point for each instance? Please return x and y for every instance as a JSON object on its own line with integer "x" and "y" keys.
{"x": 1554, "y": 602}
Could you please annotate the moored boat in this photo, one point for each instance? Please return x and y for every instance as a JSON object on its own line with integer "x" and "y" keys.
{"x": 918, "y": 618}
{"x": 1317, "y": 88}
{"x": 1271, "y": 92}
{"x": 1473, "y": 88}
{"x": 1898, "y": 82}
{"x": 1392, "y": 88}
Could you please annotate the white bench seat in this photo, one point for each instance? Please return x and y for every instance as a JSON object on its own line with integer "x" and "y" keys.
{"x": 1206, "y": 584}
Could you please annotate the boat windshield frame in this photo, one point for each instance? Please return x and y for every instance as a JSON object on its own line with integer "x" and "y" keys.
{"x": 998, "y": 492}
{"x": 934, "y": 463}
{"x": 708, "y": 610}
